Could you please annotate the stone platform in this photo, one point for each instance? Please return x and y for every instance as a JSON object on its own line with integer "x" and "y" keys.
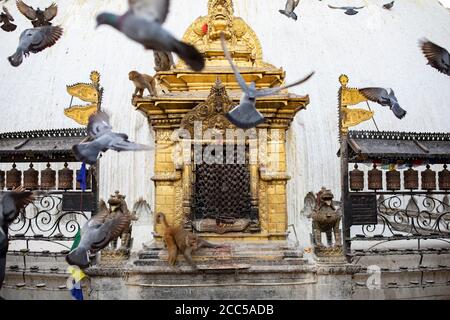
{"x": 268, "y": 270}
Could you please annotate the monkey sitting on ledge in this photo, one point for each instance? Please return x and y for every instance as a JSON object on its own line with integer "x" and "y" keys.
{"x": 141, "y": 82}
{"x": 182, "y": 241}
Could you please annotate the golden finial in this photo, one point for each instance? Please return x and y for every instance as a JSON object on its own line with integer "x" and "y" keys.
{"x": 95, "y": 77}
{"x": 343, "y": 79}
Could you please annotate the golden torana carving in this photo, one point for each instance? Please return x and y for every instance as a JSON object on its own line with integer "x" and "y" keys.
{"x": 211, "y": 113}
{"x": 88, "y": 92}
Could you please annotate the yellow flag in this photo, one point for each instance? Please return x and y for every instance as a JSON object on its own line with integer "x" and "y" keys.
{"x": 76, "y": 273}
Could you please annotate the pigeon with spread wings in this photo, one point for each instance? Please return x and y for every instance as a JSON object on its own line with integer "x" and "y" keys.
{"x": 11, "y": 203}
{"x": 35, "y": 40}
{"x": 289, "y": 9}
{"x": 142, "y": 23}
{"x": 97, "y": 233}
{"x": 245, "y": 115}
{"x": 102, "y": 138}
{"x": 384, "y": 98}
{"x": 348, "y": 10}
{"x": 438, "y": 57}
{"x": 38, "y": 17}
{"x": 5, "y": 20}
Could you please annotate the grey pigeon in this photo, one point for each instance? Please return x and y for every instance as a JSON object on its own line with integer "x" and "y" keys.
{"x": 5, "y": 20}
{"x": 35, "y": 40}
{"x": 385, "y": 98}
{"x": 97, "y": 233}
{"x": 289, "y": 9}
{"x": 101, "y": 138}
{"x": 348, "y": 10}
{"x": 142, "y": 23}
{"x": 246, "y": 115}
{"x": 38, "y": 17}
{"x": 389, "y": 5}
{"x": 10, "y": 205}
{"x": 438, "y": 57}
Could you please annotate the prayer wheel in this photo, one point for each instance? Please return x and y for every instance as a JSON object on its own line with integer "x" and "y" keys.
{"x": 65, "y": 178}
{"x": 13, "y": 178}
{"x": 2, "y": 180}
{"x": 444, "y": 179}
{"x": 411, "y": 178}
{"x": 48, "y": 178}
{"x": 88, "y": 180}
{"x": 393, "y": 180}
{"x": 31, "y": 178}
{"x": 428, "y": 179}
{"x": 375, "y": 179}
{"x": 356, "y": 179}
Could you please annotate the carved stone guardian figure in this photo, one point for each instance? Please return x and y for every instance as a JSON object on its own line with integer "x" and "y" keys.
{"x": 326, "y": 219}
{"x": 118, "y": 206}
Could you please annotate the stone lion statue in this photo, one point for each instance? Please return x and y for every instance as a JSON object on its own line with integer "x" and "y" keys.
{"x": 325, "y": 218}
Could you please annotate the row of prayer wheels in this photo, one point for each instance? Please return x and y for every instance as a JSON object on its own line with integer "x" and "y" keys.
{"x": 393, "y": 181}
{"x": 48, "y": 178}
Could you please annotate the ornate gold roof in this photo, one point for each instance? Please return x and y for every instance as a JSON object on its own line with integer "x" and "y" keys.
{"x": 187, "y": 88}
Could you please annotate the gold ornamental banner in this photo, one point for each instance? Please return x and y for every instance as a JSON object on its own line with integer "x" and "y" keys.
{"x": 88, "y": 92}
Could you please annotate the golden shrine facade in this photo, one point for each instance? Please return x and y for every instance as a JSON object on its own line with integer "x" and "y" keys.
{"x": 188, "y": 98}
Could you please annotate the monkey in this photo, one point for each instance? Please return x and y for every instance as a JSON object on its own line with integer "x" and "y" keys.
{"x": 141, "y": 82}
{"x": 179, "y": 240}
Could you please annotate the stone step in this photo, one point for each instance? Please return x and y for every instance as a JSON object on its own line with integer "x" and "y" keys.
{"x": 182, "y": 262}
{"x": 222, "y": 254}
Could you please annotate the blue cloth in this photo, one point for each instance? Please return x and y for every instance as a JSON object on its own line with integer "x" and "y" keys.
{"x": 76, "y": 291}
{"x": 82, "y": 177}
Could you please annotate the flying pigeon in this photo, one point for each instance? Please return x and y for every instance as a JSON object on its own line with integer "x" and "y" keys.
{"x": 348, "y": 10}
{"x": 39, "y": 18}
{"x": 389, "y": 5}
{"x": 289, "y": 9}
{"x": 142, "y": 23}
{"x": 438, "y": 57}
{"x": 5, "y": 20}
{"x": 246, "y": 115}
{"x": 35, "y": 40}
{"x": 385, "y": 98}
{"x": 101, "y": 138}
{"x": 10, "y": 204}
{"x": 97, "y": 233}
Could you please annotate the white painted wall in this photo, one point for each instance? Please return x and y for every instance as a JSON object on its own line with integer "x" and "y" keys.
{"x": 375, "y": 48}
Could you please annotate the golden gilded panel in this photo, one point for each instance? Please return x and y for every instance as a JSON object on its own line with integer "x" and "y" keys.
{"x": 81, "y": 114}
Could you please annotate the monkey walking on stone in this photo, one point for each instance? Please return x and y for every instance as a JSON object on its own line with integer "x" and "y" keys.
{"x": 182, "y": 241}
{"x": 141, "y": 82}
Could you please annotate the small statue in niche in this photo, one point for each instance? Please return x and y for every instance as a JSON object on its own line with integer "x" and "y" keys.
{"x": 326, "y": 219}
{"x": 163, "y": 61}
{"x": 141, "y": 82}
